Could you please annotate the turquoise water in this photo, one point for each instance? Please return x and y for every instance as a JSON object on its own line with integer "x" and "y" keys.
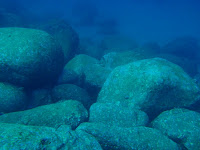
{"x": 107, "y": 75}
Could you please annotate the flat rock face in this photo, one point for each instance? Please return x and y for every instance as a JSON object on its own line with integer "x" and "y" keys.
{"x": 12, "y": 98}
{"x": 136, "y": 138}
{"x": 68, "y": 112}
{"x": 28, "y": 57}
{"x": 152, "y": 85}
{"x": 180, "y": 125}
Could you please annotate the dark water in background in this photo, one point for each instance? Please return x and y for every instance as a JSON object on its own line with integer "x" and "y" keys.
{"x": 144, "y": 20}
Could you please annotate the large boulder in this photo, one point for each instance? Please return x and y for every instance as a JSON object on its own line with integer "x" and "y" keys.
{"x": 15, "y": 136}
{"x": 68, "y": 112}
{"x": 116, "y": 115}
{"x": 70, "y": 91}
{"x": 181, "y": 125}
{"x": 64, "y": 35}
{"x": 152, "y": 85}
{"x": 12, "y": 98}
{"x": 29, "y": 57}
{"x": 115, "y": 59}
{"x": 133, "y": 138}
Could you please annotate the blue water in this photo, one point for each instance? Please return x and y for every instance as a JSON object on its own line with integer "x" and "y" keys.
{"x": 109, "y": 33}
{"x": 143, "y": 20}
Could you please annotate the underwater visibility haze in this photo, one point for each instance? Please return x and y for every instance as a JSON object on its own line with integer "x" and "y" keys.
{"x": 97, "y": 74}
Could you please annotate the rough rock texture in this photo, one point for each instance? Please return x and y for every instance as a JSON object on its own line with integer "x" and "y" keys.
{"x": 181, "y": 125}
{"x": 12, "y": 98}
{"x": 15, "y": 136}
{"x": 117, "y": 115}
{"x": 70, "y": 91}
{"x": 115, "y": 59}
{"x": 68, "y": 77}
{"x": 188, "y": 65}
{"x": 94, "y": 76}
{"x": 68, "y": 112}
{"x": 28, "y": 57}
{"x": 152, "y": 85}
{"x": 64, "y": 35}
{"x": 136, "y": 138}
{"x": 78, "y": 63}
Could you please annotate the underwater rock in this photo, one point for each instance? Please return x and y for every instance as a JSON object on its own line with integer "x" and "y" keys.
{"x": 116, "y": 115}
{"x": 188, "y": 65}
{"x": 40, "y": 97}
{"x": 29, "y": 57}
{"x": 78, "y": 63}
{"x": 12, "y": 98}
{"x": 183, "y": 47}
{"x": 114, "y": 59}
{"x": 68, "y": 77}
{"x": 152, "y": 85}
{"x": 68, "y": 112}
{"x": 64, "y": 35}
{"x": 113, "y": 137}
{"x": 180, "y": 125}
{"x": 70, "y": 91}
{"x": 117, "y": 43}
{"x": 15, "y": 136}
{"x": 94, "y": 77}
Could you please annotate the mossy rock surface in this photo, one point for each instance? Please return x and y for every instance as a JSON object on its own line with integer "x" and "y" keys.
{"x": 152, "y": 85}
{"x": 134, "y": 138}
{"x": 68, "y": 112}
{"x": 29, "y": 57}
{"x": 181, "y": 125}
{"x": 12, "y": 98}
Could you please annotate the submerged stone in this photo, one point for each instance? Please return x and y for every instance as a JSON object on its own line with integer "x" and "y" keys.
{"x": 12, "y": 98}
{"x": 117, "y": 115}
{"x": 70, "y": 91}
{"x": 181, "y": 125}
{"x": 113, "y": 137}
{"x": 29, "y": 57}
{"x": 152, "y": 85}
{"x": 68, "y": 112}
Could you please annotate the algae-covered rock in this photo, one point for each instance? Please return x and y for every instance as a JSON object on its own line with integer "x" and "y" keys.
{"x": 135, "y": 138}
{"x": 117, "y": 115}
{"x": 28, "y": 57}
{"x": 68, "y": 77}
{"x": 15, "y": 136}
{"x": 94, "y": 77}
{"x": 70, "y": 91}
{"x": 115, "y": 59}
{"x": 181, "y": 125}
{"x": 12, "y": 98}
{"x": 68, "y": 112}
{"x": 78, "y": 63}
{"x": 64, "y": 35}
{"x": 152, "y": 85}
{"x": 188, "y": 65}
